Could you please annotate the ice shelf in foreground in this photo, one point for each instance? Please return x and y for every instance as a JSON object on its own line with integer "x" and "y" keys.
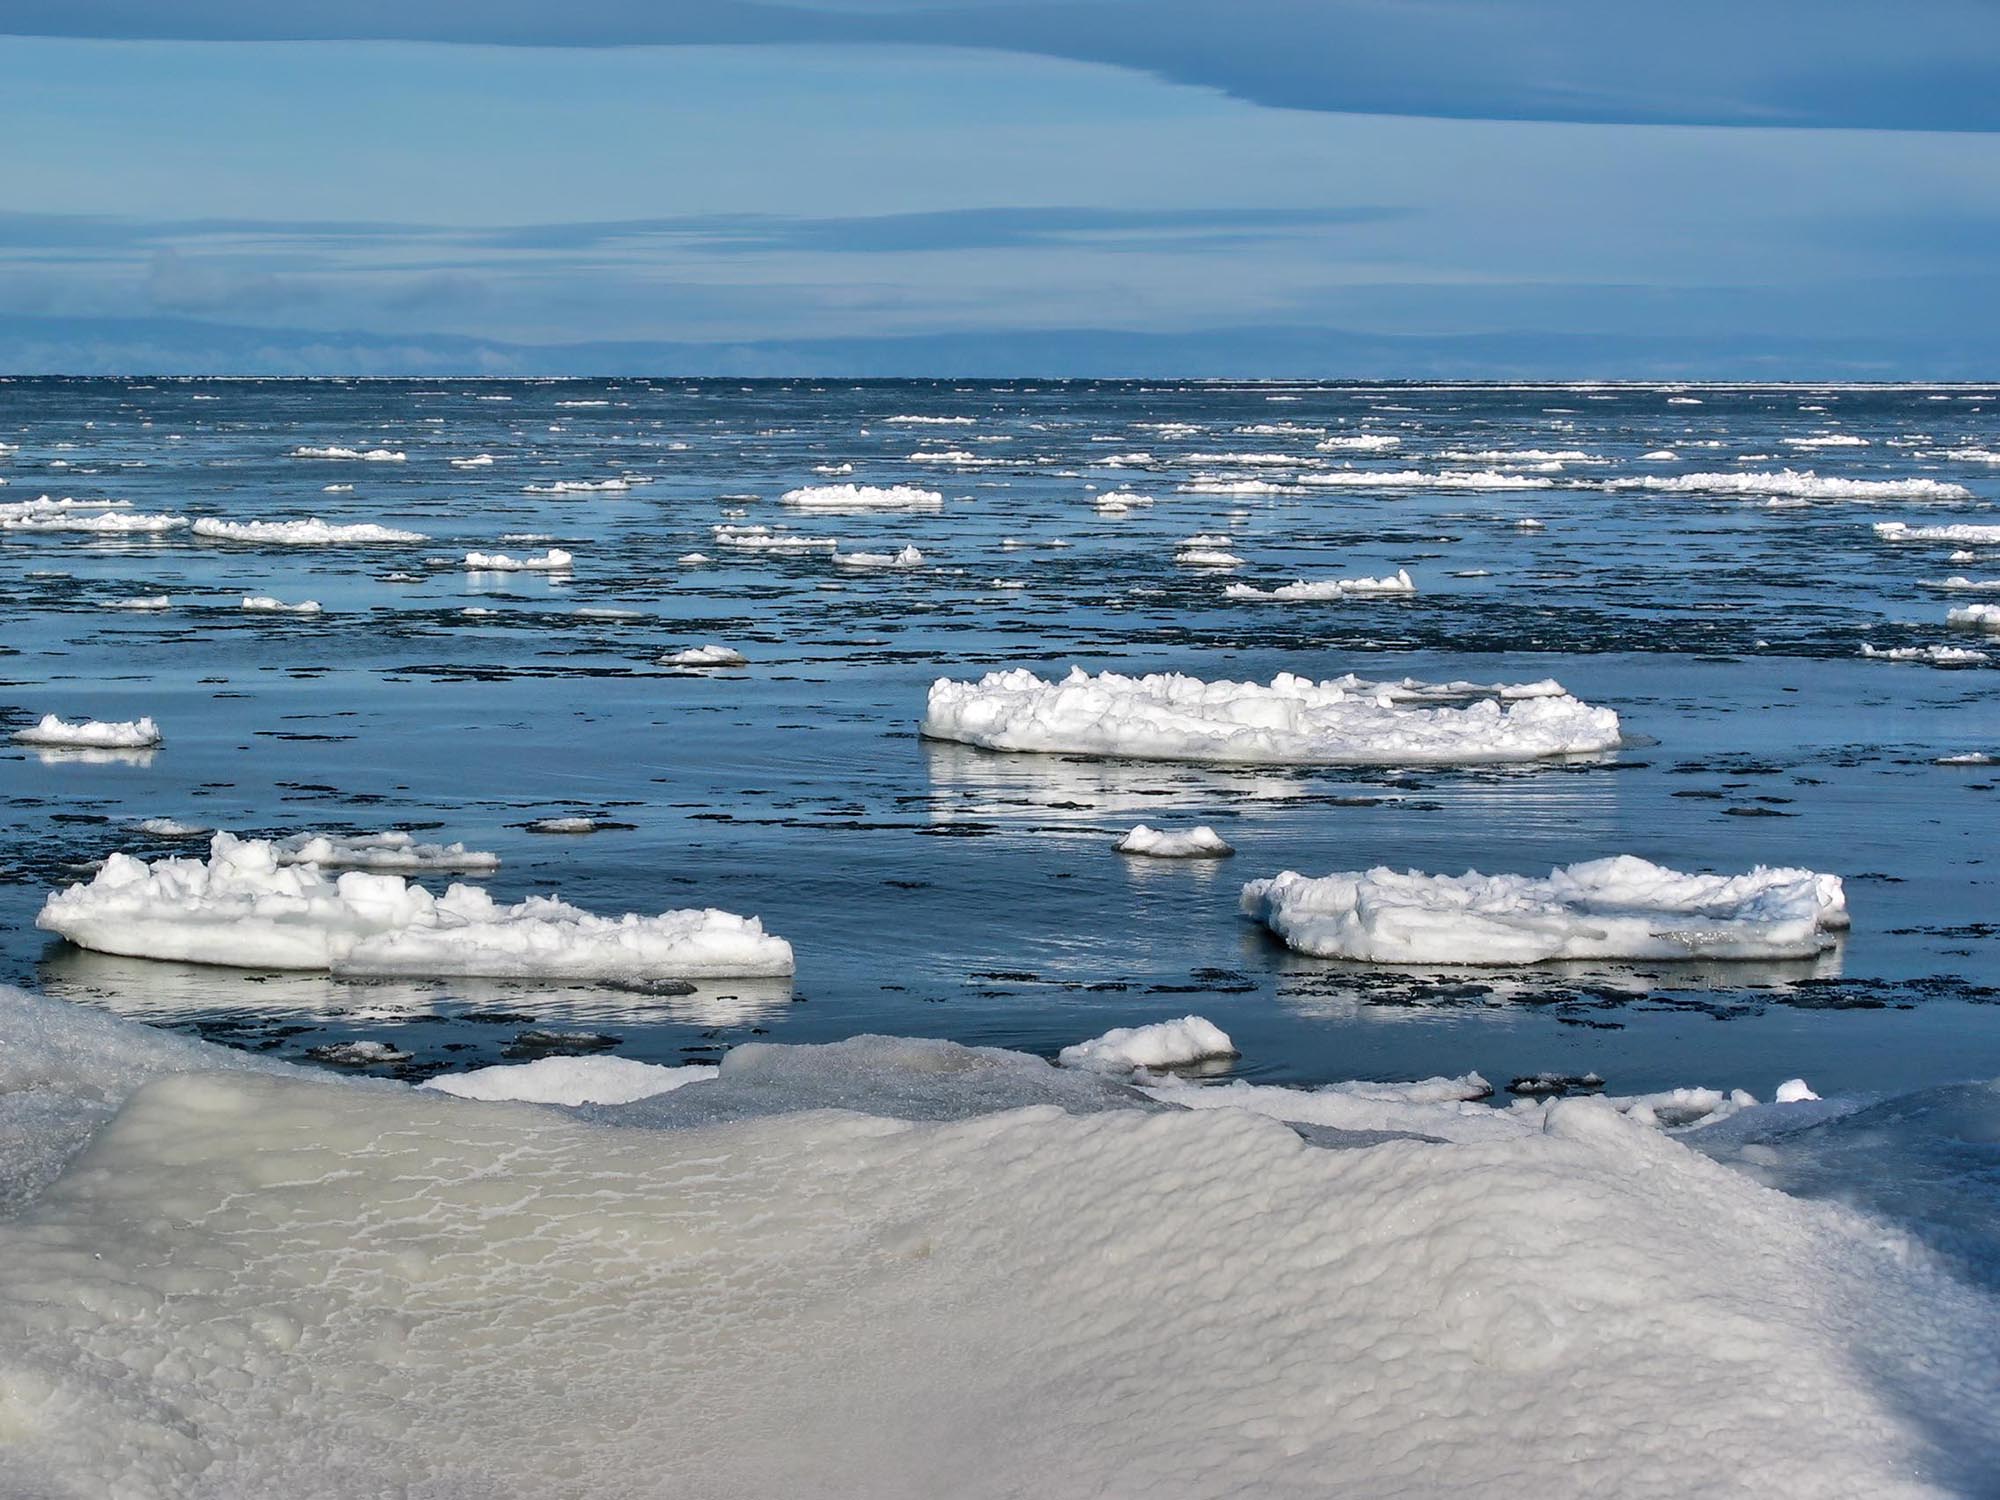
{"x": 253, "y": 1282}
{"x": 1621, "y": 907}
{"x": 1198, "y": 842}
{"x": 311, "y": 532}
{"x": 1293, "y": 721}
{"x": 244, "y": 908}
{"x": 90, "y": 734}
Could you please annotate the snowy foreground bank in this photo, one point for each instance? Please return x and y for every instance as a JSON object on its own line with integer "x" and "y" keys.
{"x": 1293, "y": 721}
{"x": 894, "y": 1269}
{"x": 252, "y": 904}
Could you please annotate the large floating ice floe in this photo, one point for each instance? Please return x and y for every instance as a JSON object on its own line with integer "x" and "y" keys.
{"x": 1393, "y": 585}
{"x": 1621, "y": 907}
{"x": 861, "y": 497}
{"x": 902, "y": 557}
{"x": 1958, "y": 533}
{"x": 1292, "y": 721}
{"x": 311, "y": 532}
{"x": 1796, "y": 484}
{"x": 90, "y": 734}
{"x": 245, "y": 908}
{"x": 96, "y": 517}
{"x": 252, "y": 1282}
{"x": 1419, "y": 479}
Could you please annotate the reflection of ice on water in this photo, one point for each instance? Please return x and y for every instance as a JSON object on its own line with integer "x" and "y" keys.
{"x": 151, "y": 990}
{"x": 970, "y": 783}
{"x": 81, "y": 755}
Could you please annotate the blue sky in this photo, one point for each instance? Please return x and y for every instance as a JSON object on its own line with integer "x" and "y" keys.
{"x": 1513, "y": 186}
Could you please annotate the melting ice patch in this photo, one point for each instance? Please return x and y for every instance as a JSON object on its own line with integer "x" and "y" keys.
{"x": 1198, "y": 842}
{"x": 255, "y": 1283}
{"x": 312, "y": 532}
{"x": 97, "y": 517}
{"x": 364, "y": 455}
{"x": 90, "y": 734}
{"x": 902, "y": 557}
{"x": 1393, "y": 585}
{"x": 1975, "y": 616}
{"x": 1292, "y": 721}
{"x": 391, "y": 850}
{"x": 710, "y": 655}
{"x": 243, "y": 907}
{"x": 1621, "y": 907}
{"x": 265, "y": 604}
{"x": 861, "y": 497}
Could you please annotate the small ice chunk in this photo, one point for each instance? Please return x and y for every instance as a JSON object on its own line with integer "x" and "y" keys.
{"x": 711, "y": 655}
{"x": 266, "y": 604}
{"x": 364, "y": 455}
{"x": 358, "y": 1054}
{"x": 1199, "y": 842}
{"x": 145, "y": 602}
{"x": 555, "y": 560}
{"x": 563, "y": 825}
{"x": 903, "y": 557}
{"x": 1794, "y": 1091}
{"x": 1393, "y": 585}
{"x": 391, "y": 850}
{"x": 1164, "y": 1044}
{"x": 90, "y": 734}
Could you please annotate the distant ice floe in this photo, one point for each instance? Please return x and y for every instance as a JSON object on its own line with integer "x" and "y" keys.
{"x": 902, "y": 557}
{"x": 393, "y": 850}
{"x": 1622, "y": 907}
{"x": 1957, "y": 533}
{"x": 710, "y": 655}
{"x": 1293, "y": 721}
{"x": 583, "y": 486}
{"x": 1794, "y": 484}
{"x": 1959, "y": 584}
{"x": 1936, "y": 656}
{"x": 1395, "y": 585}
{"x": 835, "y": 498}
{"x": 97, "y": 517}
{"x": 1827, "y": 440}
{"x": 918, "y": 421}
{"x": 266, "y": 604}
{"x": 1414, "y": 479}
{"x": 364, "y": 455}
{"x": 473, "y": 461}
{"x": 555, "y": 560}
{"x": 246, "y": 908}
{"x": 1198, "y": 842}
{"x": 1193, "y": 554}
{"x": 564, "y": 825}
{"x": 571, "y": 1080}
{"x": 149, "y": 603}
{"x": 1520, "y": 456}
{"x": 1208, "y": 485}
{"x": 1118, "y": 502}
{"x": 1359, "y": 442}
{"x": 311, "y": 532}
{"x": 1164, "y": 1044}
{"x": 764, "y": 539}
{"x": 90, "y": 734}
{"x": 1975, "y": 616}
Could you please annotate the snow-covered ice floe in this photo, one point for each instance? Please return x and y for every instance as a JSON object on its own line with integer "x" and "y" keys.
{"x": 90, "y": 734}
{"x": 1163, "y": 1044}
{"x": 1795, "y": 484}
{"x": 265, "y": 604}
{"x": 1621, "y": 907}
{"x": 764, "y": 539}
{"x": 1419, "y": 479}
{"x": 1394, "y": 585}
{"x": 555, "y": 560}
{"x": 1292, "y": 721}
{"x": 571, "y": 1080}
{"x": 311, "y": 532}
{"x": 393, "y": 850}
{"x": 710, "y": 655}
{"x": 1936, "y": 656}
{"x": 363, "y": 455}
{"x": 144, "y": 603}
{"x": 861, "y": 497}
{"x": 1957, "y": 533}
{"x": 224, "y": 1277}
{"x": 1198, "y": 842}
{"x": 1975, "y": 616}
{"x": 246, "y": 908}
{"x": 97, "y": 517}
{"x": 902, "y": 557}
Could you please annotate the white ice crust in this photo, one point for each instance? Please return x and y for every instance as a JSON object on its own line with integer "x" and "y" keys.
{"x": 571, "y": 1080}
{"x": 1621, "y": 907}
{"x": 90, "y": 734}
{"x": 243, "y": 907}
{"x": 1198, "y": 842}
{"x": 1975, "y": 616}
{"x": 1292, "y": 721}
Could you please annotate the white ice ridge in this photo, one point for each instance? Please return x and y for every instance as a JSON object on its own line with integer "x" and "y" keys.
{"x": 1621, "y": 907}
{"x": 312, "y": 532}
{"x": 861, "y": 497}
{"x": 571, "y": 1080}
{"x": 902, "y": 557}
{"x": 1800, "y": 484}
{"x": 1293, "y": 721}
{"x": 710, "y": 655}
{"x": 365, "y": 455}
{"x": 101, "y": 517}
{"x": 1975, "y": 616}
{"x": 555, "y": 560}
{"x": 1957, "y": 533}
{"x": 255, "y": 1283}
{"x": 266, "y": 604}
{"x": 244, "y": 908}
{"x": 1392, "y": 585}
{"x": 1198, "y": 842}
{"x": 392, "y": 850}
{"x": 1164, "y": 1044}
{"x": 90, "y": 734}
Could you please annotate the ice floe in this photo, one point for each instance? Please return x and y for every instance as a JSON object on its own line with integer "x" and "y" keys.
{"x": 1412, "y": 479}
{"x": 1620, "y": 907}
{"x": 1164, "y": 1044}
{"x": 1393, "y": 585}
{"x": 1975, "y": 616}
{"x": 90, "y": 734}
{"x": 902, "y": 557}
{"x": 1936, "y": 656}
{"x": 1293, "y": 720}
{"x": 245, "y": 907}
{"x": 144, "y": 603}
{"x": 96, "y": 517}
{"x": 837, "y": 498}
{"x": 555, "y": 560}
{"x": 583, "y": 486}
{"x": 268, "y": 605}
{"x": 571, "y": 1080}
{"x": 311, "y": 532}
{"x": 1795, "y": 484}
{"x": 393, "y": 850}
{"x": 364, "y": 455}
{"x": 1957, "y": 533}
{"x": 764, "y": 539}
{"x": 1198, "y": 842}
{"x": 710, "y": 655}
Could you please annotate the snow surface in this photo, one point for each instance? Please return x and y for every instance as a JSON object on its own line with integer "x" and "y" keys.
{"x": 571, "y": 1080}
{"x": 312, "y": 532}
{"x": 1390, "y": 586}
{"x": 1198, "y": 842}
{"x": 245, "y": 908}
{"x": 1164, "y": 1044}
{"x": 228, "y": 1279}
{"x": 1293, "y": 721}
{"x": 1621, "y": 907}
{"x": 861, "y": 497}
{"x": 90, "y": 734}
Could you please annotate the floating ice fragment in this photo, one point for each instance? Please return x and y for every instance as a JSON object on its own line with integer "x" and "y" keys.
{"x": 265, "y": 604}
{"x": 312, "y": 532}
{"x": 1394, "y": 585}
{"x": 1164, "y": 1044}
{"x": 1797, "y": 484}
{"x": 90, "y": 734}
{"x": 710, "y": 655}
{"x": 365, "y": 455}
{"x": 861, "y": 497}
{"x": 393, "y": 850}
{"x": 1198, "y": 842}
{"x": 555, "y": 560}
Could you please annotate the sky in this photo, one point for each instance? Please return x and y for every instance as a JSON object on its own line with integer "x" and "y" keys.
{"x": 992, "y": 187}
